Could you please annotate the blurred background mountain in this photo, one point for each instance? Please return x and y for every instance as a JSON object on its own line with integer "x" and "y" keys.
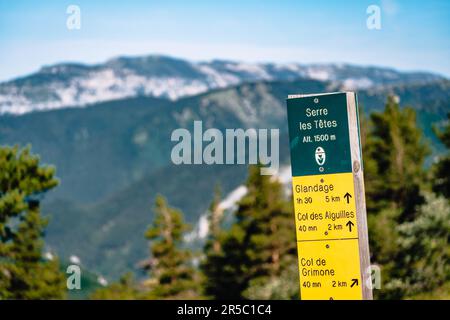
{"x": 71, "y": 84}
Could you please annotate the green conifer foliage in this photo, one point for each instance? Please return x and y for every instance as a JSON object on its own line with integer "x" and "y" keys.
{"x": 173, "y": 275}
{"x": 442, "y": 168}
{"x": 397, "y": 147}
{"x": 408, "y": 232}
{"x": 24, "y": 274}
{"x": 260, "y": 245}
{"x": 394, "y": 154}
{"x": 424, "y": 254}
{"x": 213, "y": 252}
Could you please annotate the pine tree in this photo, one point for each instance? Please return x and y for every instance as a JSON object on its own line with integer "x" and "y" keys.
{"x": 442, "y": 168}
{"x": 260, "y": 245}
{"x": 24, "y": 274}
{"x": 394, "y": 154}
{"x": 396, "y": 146}
{"x": 213, "y": 252}
{"x": 31, "y": 277}
{"x": 172, "y": 272}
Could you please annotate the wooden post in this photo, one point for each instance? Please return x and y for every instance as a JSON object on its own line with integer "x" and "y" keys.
{"x": 358, "y": 179}
{"x": 328, "y": 194}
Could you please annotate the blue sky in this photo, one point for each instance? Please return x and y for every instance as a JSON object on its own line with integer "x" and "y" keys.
{"x": 414, "y": 34}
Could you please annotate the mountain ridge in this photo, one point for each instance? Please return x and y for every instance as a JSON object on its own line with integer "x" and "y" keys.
{"x": 75, "y": 84}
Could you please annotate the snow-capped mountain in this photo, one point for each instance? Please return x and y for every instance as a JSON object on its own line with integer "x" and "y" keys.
{"x": 73, "y": 85}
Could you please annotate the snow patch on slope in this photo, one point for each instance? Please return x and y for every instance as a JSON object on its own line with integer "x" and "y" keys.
{"x": 229, "y": 204}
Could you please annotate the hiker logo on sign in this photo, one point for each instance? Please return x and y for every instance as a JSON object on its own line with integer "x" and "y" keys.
{"x": 320, "y": 156}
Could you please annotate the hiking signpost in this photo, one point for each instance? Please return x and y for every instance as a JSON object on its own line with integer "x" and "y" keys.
{"x": 328, "y": 194}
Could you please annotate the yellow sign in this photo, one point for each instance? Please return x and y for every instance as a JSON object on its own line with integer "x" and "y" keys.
{"x": 325, "y": 207}
{"x": 327, "y": 235}
{"x": 329, "y": 270}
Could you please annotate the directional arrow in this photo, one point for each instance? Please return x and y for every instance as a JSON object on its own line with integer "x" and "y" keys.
{"x": 350, "y": 224}
{"x": 347, "y": 196}
{"x": 354, "y": 282}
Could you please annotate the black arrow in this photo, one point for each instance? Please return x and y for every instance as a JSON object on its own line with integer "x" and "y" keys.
{"x": 347, "y": 196}
{"x": 354, "y": 282}
{"x": 349, "y": 224}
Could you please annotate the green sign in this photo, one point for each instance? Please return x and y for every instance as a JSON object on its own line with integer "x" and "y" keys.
{"x": 319, "y": 134}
